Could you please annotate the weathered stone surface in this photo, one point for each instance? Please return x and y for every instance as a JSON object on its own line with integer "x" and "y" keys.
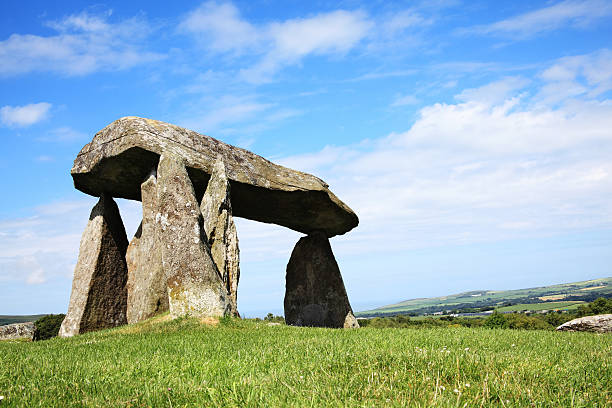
{"x": 17, "y": 331}
{"x": 220, "y": 230}
{"x": 315, "y": 293}
{"x": 121, "y": 155}
{"x": 195, "y": 286}
{"x": 99, "y": 296}
{"x": 146, "y": 285}
{"x": 599, "y": 323}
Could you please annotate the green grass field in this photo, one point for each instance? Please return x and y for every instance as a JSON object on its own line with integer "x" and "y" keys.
{"x": 244, "y": 363}
{"x": 535, "y": 307}
{"x": 5, "y": 319}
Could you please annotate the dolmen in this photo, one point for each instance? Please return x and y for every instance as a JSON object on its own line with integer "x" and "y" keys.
{"x": 184, "y": 257}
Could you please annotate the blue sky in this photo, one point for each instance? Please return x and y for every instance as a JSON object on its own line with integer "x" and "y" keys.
{"x": 472, "y": 138}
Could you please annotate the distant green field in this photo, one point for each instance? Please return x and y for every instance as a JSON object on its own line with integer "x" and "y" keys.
{"x": 182, "y": 363}
{"x": 576, "y": 291}
{"x": 534, "y": 307}
{"x": 8, "y": 319}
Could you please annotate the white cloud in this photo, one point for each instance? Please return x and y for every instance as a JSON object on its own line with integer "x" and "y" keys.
{"x": 84, "y": 43}
{"x": 573, "y": 13}
{"x": 24, "y": 115}
{"x": 221, "y": 29}
{"x": 330, "y": 33}
{"x": 496, "y": 165}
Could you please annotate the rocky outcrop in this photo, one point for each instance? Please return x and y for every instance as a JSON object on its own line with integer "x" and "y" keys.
{"x": 599, "y": 323}
{"x": 315, "y": 293}
{"x": 220, "y": 230}
{"x": 17, "y": 331}
{"x": 122, "y": 154}
{"x": 146, "y": 285}
{"x": 99, "y": 296}
{"x": 195, "y": 286}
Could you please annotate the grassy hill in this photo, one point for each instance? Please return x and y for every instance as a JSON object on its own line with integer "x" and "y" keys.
{"x": 245, "y": 363}
{"x": 563, "y": 296}
{"x": 7, "y": 319}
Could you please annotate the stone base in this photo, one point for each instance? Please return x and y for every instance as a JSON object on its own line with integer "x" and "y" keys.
{"x": 195, "y": 286}
{"x": 146, "y": 287}
{"x": 99, "y": 296}
{"x": 315, "y": 293}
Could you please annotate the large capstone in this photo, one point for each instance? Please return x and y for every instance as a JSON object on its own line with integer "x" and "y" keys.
{"x": 216, "y": 208}
{"x": 315, "y": 293}
{"x": 99, "y": 296}
{"x": 195, "y": 286}
{"x": 146, "y": 286}
{"x": 122, "y": 154}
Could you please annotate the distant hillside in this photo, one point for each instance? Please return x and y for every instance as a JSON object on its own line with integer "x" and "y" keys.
{"x": 563, "y": 296}
{"x": 7, "y": 319}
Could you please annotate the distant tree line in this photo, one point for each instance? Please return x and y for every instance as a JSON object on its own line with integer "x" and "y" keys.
{"x": 483, "y": 305}
{"x": 547, "y": 321}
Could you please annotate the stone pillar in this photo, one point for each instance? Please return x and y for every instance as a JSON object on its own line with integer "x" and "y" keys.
{"x": 220, "y": 230}
{"x": 99, "y": 296}
{"x": 315, "y": 293}
{"x": 146, "y": 285}
{"x": 195, "y": 286}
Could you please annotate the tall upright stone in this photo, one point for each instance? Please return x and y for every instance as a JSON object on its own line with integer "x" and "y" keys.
{"x": 99, "y": 296}
{"x": 315, "y": 293}
{"x": 216, "y": 208}
{"x": 195, "y": 286}
{"x": 146, "y": 285}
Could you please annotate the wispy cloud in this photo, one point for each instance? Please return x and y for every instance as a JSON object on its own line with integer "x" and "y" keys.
{"x": 569, "y": 13}
{"x": 63, "y": 134}
{"x": 220, "y": 28}
{"x": 383, "y": 74}
{"x": 84, "y": 43}
{"x": 21, "y": 116}
{"x": 403, "y": 100}
{"x": 494, "y": 92}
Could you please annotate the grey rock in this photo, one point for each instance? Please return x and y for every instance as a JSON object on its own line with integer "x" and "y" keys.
{"x": 121, "y": 155}
{"x": 220, "y": 230}
{"x": 99, "y": 296}
{"x": 146, "y": 285}
{"x": 599, "y": 323}
{"x": 17, "y": 331}
{"x": 315, "y": 293}
{"x": 194, "y": 284}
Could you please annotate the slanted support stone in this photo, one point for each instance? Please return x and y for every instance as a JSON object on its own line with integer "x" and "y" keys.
{"x": 195, "y": 286}
{"x": 146, "y": 285}
{"x": 315, "y": 293}
{"x": 216, "y": 208}
{"x": 99, "y": 296}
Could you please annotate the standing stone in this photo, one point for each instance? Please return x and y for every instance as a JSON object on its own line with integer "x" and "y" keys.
{"x": 99, "y": 296}
{"x": 194, "y": 284}
{"x": 220, "y": 230}
{"x": 315, "y": 293}
{"x": 146, "y": 285}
